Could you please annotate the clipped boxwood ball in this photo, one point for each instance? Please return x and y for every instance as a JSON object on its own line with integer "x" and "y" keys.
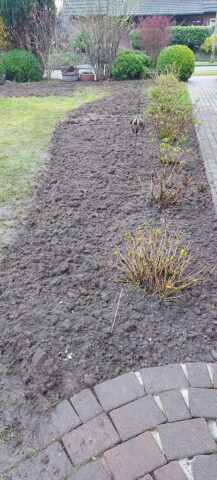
{"x": 131, "y": 64}
{"x": 179, "y": 55}
{"x": 21, "y": 66}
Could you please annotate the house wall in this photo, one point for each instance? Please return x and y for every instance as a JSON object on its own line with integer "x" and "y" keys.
{"x": 207, "y": 17}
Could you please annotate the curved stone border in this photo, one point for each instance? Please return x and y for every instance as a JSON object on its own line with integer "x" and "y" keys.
{"x": 155, "y": 424}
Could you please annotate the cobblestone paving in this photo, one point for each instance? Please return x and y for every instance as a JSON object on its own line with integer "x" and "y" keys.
{"x": 204, "y": 89}
{"x": 156, "y": 424}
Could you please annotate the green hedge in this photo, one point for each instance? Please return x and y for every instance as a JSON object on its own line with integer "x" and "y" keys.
{"x": 21, "y": 66}
{"x": 2, "y": 71}
{"x": 191, "y": 36}
{"x": 181, "y": 57}
{"x": 131, "y": 64}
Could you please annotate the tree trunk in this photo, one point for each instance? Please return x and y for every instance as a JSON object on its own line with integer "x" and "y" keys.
{"x": 214, "y": 41}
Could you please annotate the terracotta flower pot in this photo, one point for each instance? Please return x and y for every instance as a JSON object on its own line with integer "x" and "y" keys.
{"x": 87, "y": 77}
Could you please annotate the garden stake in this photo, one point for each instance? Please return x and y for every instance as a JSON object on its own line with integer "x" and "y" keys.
{"x": 116, "y": 311}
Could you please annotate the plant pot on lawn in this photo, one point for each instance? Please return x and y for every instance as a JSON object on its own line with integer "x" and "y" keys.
{"x": 70, "y": 75}
{"x": 87, "y": 77}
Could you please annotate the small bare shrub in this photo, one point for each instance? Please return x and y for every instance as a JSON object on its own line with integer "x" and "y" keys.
{"x": 159, "y": 261}
{"x": 170, "y": 186}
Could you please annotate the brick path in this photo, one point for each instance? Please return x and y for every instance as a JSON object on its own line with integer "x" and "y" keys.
{"x": 155, "y": 424}
{"x": 205, "y": 90}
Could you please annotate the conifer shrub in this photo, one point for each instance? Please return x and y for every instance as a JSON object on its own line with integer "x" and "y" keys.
{"x": 21, "y": 66}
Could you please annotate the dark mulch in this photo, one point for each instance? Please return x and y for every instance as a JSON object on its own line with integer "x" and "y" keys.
{"x": 57, "y": 292}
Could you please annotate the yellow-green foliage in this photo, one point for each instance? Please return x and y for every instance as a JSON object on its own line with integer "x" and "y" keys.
{"x": 5, "y": 40}
{"x": 170, "y": 107}
{"x": 207, "y": 44}
{"x": 159, "y": 261}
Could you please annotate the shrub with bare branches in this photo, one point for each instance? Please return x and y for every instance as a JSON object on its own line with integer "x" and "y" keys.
{"x": 102, "y": 26}
{"x": 155, "y": 33}
{"x": 43, "y": 21}
{"x": 170, "y": 186}
{"x": 159, "y": 261}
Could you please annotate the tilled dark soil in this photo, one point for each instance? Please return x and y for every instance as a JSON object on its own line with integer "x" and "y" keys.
{"x": 58, "y": 296}
{"x": 45, "y": 88}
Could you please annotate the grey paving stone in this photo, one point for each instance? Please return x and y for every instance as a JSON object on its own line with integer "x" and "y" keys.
{"x": 61, "y": 420}
{"x": 214, "y": 373}
{"x": 90, "y": 440}
{"x": 186, "y": 439}
{"x": 64, "y": 418}
{"x": 86, "y": 405}
{"x": 135, "y": 458}
{"x": 146, "y": 477}
{"x": 174, "y": 406}
{"x": 160, "y": 379}
{"x": 52, "y": 463}
{"x": 203, "y": 402}
{"x": 137, "y": 417}
{"x": 198, "y": 375}
{"x": 92, "y": 471}
{"x": 119, "y": 391}
{"x": 172, "y": 471}
{"x": 204, "y": 467}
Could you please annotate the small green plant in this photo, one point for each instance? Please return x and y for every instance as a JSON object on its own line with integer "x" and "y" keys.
{"x": 9, "y": 433}
{"x": 35, "y": 452}
{"x": 168, "y": 153}
{"x": 181, "y": 56}
{"x": 21, "y": 66}
{"x": 131, "y": 64}
{"x": 169, "y": 109}
{"x": 3, "y": 476}
{"x": 159, "y": 261}
{"x": 170, "y": 186}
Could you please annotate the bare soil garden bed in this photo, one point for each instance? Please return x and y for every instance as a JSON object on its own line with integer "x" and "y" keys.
{"x": 58, "y": 294}
{"x": 43, "y": 88}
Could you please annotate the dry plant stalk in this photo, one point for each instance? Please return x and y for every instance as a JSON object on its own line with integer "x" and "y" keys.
{"x": 158, "y": 261}
{"x": 170, "y": 186}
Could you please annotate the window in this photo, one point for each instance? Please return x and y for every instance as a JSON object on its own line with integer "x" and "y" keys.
{"x": 212, "y": 22}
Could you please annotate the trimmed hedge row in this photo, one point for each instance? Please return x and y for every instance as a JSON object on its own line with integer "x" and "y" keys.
{"x": 192, "y": 36}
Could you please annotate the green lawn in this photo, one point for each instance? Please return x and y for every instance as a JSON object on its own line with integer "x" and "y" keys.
{"x": 26, "y": 126}
{"x": 202, "y": 73}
